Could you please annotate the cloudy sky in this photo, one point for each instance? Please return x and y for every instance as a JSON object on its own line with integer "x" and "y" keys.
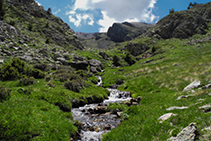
{"x": 97, "y": 15}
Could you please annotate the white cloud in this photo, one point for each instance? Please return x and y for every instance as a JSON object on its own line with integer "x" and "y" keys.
{"x": 56, "y": 12}
{"x": 38, "y": 3}
{"x": 81, "y": 17}
{"x": 112, "y": 11}
{"x": 105, "y": 22}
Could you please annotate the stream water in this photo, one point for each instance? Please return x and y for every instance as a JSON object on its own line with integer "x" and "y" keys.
{"x": 95, "y": 120}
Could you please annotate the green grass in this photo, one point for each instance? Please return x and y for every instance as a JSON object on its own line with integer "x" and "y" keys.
{"x": 159, "y": 83}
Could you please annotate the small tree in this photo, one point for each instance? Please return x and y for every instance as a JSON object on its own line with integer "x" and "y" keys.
{"x": 49, "y": 11}
{"x": 47, "y": 41}
{"x": 116, "y": 60}
{"x": 2, "y": 10}
{"x": 30, "y": 27}
{"x": 192, "y": 4}
{"x": 171, "y": 11}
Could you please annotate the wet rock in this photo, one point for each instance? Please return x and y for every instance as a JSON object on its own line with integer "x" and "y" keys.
{"x": 114, "y": 86}
{"x": 138, "y": 99}
{"x": 128, "y": 103}
{"x": 119, "y": 114}
{"x": 187, "y": 134}
{"x": 107, "y": 127}
{"x": 176, "y": 108}
{"x": 166, "y": 116}
{"x": 193, "y": 85}
{"x": 100, "y": 109}
{"x": 134, "y": 103}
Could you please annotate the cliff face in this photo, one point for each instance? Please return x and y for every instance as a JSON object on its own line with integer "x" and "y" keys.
{"x": 183, "y": 24}
{"x": 120, "y": 32}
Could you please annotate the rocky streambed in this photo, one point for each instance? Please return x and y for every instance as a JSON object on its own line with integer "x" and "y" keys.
{"x": 96, "y": 119}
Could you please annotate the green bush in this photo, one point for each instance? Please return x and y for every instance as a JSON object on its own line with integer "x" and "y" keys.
{"x": 2, "y": 9}
{"x": 27, "y": 81}
{"x": 63, "y": 75}
{"x": 17, "y": 68}
{"x": 4, "y": 94}
{"x": 20, "y": 65}
{"x": 74, "y": 85}
{"x": 8, "y": 72}
{"x": 129, "y": 59}
{"x": 40, "y": 66}
{"x": 116, "y": 60}
{"x": 30, "y": 27}
{"x": 47, "y": 41}
{"x": 35, "y": 73}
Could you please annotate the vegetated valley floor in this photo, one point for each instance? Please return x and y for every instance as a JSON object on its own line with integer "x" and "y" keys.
{"x": 37, "y": 107}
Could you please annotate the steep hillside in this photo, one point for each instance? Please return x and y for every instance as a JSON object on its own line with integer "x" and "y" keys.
{"x": 120, "y": 32}
{"x": 183, "y": 24}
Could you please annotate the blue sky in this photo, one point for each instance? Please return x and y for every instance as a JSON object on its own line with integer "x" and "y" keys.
{"x": 97, "y": 15}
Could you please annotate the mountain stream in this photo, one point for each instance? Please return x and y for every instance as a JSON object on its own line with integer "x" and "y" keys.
{"x": 95, "y": 119}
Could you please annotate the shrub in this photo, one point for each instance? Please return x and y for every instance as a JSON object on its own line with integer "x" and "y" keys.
{"x": 116, "y": 60}
{"x": 30, "y": 27}
{"x": 16, "y": 68}
{"x": 49, "y": 11}
{"x": 171, "y": 11}
{"x": 63, "y": 75}
{"x": 4, "y": 94}
{"x": 19, "y": 65}
{"x": 12, "y": 70}
{"x": 47, "y": 41}
{"x": 119, "y": 81}
{"x": 2, "y": 9}
{"x": 129, "y": 59}
{"x": 35, "y": 73}
{"x": 27, "y": 81}
{"x": 74, "y": 85}
{"x": 8, "y": 72}
{"x": 40, "y": 66}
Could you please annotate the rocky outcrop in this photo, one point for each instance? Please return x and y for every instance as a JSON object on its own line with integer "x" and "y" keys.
{"x": 120, "y": 32}
{"x": 187, "y": 134}
{"x": 95, "y": 65}
{"x": 136, "y": 49}
{"x": 54, "y": 30}
{"x": 176, "y": 108}
{"x": 165, "y": 117}
{"x": 182, "y": 24}
{"x": 81, "y": 65}
{"x": 192, "y": 85}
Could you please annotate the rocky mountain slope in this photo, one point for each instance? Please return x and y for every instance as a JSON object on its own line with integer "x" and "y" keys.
{"x": 183, "y": 24}
{"x": 117, "y": 33}
{"x": 45, "y": 71}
